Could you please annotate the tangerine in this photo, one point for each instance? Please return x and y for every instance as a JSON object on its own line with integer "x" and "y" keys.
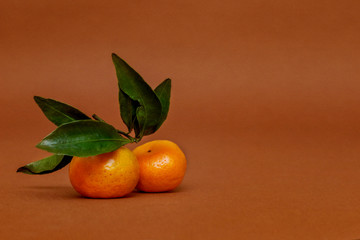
{"x": 109, "y": 175}
{"x": 162, "y": 166}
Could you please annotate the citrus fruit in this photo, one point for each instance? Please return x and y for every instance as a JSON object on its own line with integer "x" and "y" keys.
{"x": 108, "y": 175}
{"x": 162, "y": 166}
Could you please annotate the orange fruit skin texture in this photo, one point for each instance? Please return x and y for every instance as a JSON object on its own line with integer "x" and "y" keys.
{"x": 162, "y": 166}
{"x": 108, "y": 175}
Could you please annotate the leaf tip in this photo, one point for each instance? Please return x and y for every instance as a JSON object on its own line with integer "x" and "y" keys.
{"x": 40, "y": 145}
{"x": 114, "y": 56}
{"x": 38, "y": 98}
{"x": 23, "y": 170}
{"x": 168, "y": 80}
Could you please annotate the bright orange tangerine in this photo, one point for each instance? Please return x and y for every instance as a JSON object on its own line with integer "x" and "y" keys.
{"x": 109, "y": 175}
{"x": 162, "y": 166}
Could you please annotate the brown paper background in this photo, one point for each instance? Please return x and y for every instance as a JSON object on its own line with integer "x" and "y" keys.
{"x": 265, "y": 105}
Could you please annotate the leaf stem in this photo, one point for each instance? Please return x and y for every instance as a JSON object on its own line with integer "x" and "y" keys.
{"x": 127, "y": 135}
{"x": 96, "y": 117}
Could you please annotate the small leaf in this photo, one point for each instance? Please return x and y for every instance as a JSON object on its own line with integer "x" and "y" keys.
{"x": 140, "y": 121}
{"x": 83, "y": 138}
{"x": 163, "y": 93}
{"x": 58, "y": 112}
{"x": 132, "y": 84}
{"x": 127, "y": 110}
{"x": 46, "y": 165}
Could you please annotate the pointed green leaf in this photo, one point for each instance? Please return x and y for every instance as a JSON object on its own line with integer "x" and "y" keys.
{"x": 127, "y": 110}
{"x": 140, "y": 121}
{"x": 83, "y": 138}
{"x": 58, "y": 112}
{"x": 46, "y": 165}
{"x": 163, "y": 93}
{"x": 132, "y": 84}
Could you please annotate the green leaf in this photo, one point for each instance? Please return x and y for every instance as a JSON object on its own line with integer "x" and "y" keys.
{"x": 127, "y": 110}
{"x": 132, "y": 84}
{"x": 58, "y": 112}
{"x": 163, "y": 93}
{"x": 46, "y": 165}
{"x": 83, "y": 138}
